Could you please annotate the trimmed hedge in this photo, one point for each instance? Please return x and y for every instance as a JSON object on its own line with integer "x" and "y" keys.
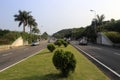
{"x": 64, "y": 61}
{"x": 51, "y": 47}
{"x": 60, "y": 42}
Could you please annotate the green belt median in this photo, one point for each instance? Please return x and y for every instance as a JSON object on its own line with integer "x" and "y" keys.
{"x": 40, "y": 67}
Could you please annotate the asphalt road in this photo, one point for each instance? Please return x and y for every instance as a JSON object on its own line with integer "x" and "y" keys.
{"x": 12, "y": 56}
{"x": 107, "y": 55}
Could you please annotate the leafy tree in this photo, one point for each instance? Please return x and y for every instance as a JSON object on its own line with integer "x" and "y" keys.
{"x": 35, "y": 30}
{"x": 90, "y": 33}
{"x": 44, "y": 35}
{"x": 22, "y": 17}
{"x": 75, "y": 33}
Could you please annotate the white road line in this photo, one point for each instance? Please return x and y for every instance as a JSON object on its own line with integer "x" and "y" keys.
{"x": 7, "y": 54}
{"x": 117, "y": 74}
{"x": 20, "y": 61}
{"x": 117, "y": 54}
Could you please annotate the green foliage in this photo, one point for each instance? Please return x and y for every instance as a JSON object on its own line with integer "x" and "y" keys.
{"x": 69, "y": 33}
{"x": 44, "y": 36}
{"x": 22, "y": 18}
{"x": 65, "y": 43}
{"x": 64, "y": 61}
{"x": 113, "y": 36}
{"x": 90, "y": 33}
{"x": 8, "y": 37}
{"x": 51, "y": 47}
{"x": 112, "y": 26}
{"x": 58, "y": 43}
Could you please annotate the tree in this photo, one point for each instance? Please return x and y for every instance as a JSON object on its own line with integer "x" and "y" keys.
{"x": 99, "y": 22}
{"x": 44, "y": 35}
{"x": 32, "y": 24}
{"x": 35, "y": 30}
{"x": 22, "y": 17}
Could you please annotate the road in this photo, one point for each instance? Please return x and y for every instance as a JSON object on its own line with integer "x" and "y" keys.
{"x": 107, "y": 55}
{"x": 11, "y": 56}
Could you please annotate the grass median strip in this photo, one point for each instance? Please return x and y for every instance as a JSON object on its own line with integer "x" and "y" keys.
{"x": 40, "y": 67}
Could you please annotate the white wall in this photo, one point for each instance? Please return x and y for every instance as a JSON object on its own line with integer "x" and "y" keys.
{"x": 103, "y": 39}
{"x": 18, "y": 42}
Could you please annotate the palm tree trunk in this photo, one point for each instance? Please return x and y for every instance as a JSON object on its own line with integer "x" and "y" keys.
{"x": 23, "y": 28}
{"x": 30, "y": 29}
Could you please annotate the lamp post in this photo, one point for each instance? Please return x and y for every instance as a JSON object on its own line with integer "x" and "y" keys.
{"x": 94, "y": 21}
{"x": 94, "y": 12}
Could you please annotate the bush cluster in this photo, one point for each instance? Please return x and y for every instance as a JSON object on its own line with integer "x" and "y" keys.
{"x": 10, "y": 36}
{"x": 51, "y": 47}
{"x": 60, "y": 42}
{"x": 64, "y": 61}
{"x": 113, "y": 36}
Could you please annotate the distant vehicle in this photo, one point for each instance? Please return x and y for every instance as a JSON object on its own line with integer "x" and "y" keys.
{"x": 35, "y": 43}
{"x": 83, "y": 41}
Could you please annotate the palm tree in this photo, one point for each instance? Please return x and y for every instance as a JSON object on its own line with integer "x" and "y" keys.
{"x": 35, "y": 30}
{"x": 31, "y": 23}
{"x": 22, "y": 17}
{"x": 99, "y": 22}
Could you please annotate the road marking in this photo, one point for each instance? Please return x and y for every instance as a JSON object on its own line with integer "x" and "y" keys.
{"x": 7, "y": 54}
{"x": 117, "y": 54}
{"x": 20, "y": 61}
{"x": 117, "y": 74}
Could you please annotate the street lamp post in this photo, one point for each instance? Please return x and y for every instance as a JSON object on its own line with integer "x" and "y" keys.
{"x": 94, "y": 20}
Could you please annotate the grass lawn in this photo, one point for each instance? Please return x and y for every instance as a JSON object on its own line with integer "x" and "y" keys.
{"x": 40, "y": 67}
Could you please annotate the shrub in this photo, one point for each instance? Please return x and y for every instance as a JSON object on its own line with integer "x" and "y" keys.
{"x": 64, "y": 61}
{"x": 58, "y": 43}
{"x": 113, "y": 36}
{"x": 51, "y": 47}
{"x": 65, "y": 43}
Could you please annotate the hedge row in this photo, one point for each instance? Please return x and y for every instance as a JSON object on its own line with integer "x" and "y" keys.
{"x": 113, "y": 36}
{"x": 11, "y": 36}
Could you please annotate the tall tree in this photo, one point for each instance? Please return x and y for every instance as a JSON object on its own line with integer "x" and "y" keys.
{"x": 99, "y": 22}
{"x": 22, "y": 17}
{"x": 35, "y": 30}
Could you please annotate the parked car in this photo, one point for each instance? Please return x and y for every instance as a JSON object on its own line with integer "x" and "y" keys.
{"x": 83, "y": 41}
{"x": 35, "y": 43}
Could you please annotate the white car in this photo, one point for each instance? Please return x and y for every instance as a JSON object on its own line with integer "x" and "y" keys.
{"x": 35, "y": 43}
{"x": 83, "y": 41}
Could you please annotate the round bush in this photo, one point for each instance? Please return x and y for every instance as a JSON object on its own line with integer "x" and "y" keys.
{"x": 51, "y": 47}
{"x": 58, "y": 43}
{"x": 64, "y": 61}
{"x": 65, "y": 43}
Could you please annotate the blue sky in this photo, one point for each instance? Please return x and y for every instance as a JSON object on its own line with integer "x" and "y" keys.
{"x": 54, "y": 15}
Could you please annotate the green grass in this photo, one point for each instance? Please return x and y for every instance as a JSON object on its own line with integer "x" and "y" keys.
{"x": 40, "y": 67}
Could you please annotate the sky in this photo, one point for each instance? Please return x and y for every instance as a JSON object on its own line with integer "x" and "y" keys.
{"x": 55, "y": 15}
